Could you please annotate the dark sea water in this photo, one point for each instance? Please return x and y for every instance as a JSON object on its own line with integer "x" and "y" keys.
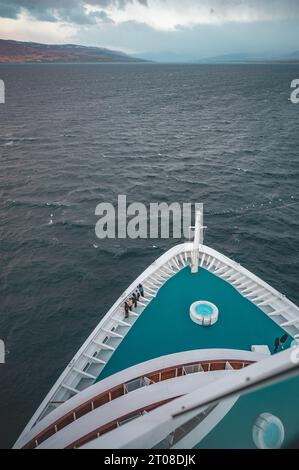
{"x": 72, "y": 136}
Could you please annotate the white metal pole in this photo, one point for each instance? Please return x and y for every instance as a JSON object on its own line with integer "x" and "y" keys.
{"x": 198, "y": 240}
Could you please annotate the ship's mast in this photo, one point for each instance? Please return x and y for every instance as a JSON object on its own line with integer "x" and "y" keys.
{"x": 198, "y": 240}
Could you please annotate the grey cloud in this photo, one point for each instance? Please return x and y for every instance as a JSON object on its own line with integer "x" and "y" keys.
{"x": 103, "y": 16}
{"x": 117, "y": 3}
{"x": 69, "y": 11}
{"x": 75, "y": 11}
{"x": 8, "y": 9}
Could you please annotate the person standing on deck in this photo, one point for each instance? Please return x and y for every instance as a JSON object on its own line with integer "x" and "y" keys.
{"x": 277, "y": 345}
{"x": 141, "y": 290}
{"x": 134, "y": 300}
{"x": 137, "y": 293}
{"x": 126, "y": 310}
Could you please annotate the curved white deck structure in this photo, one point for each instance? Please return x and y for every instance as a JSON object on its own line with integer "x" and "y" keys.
{"x": 157, "y": 427}
{"x": 136, "y": 388}
{"x": 90, "y": 360}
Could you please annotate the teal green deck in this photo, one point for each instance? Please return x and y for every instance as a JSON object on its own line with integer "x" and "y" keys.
{"x": 165, "y": 326}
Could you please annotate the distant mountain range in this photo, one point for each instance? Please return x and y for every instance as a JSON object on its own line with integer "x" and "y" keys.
{"x": 22, "y": 52}
{"x": 165, "y": 57}
{"x": 251, "y": 58}
{"x": 240, "y": 58}
{"x": 28, "y": 52}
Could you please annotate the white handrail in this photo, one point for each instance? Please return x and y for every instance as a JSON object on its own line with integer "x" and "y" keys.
{"x": 276, "y": 299}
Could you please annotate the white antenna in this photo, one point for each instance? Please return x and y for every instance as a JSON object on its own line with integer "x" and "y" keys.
{"x": 198, "y": 240}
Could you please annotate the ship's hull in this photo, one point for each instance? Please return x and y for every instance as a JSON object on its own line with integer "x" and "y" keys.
{"x": 100, "y": 351}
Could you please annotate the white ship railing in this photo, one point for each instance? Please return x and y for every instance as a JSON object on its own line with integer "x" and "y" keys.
{"x": 150, "y": 430}
{"x": 92, "y": 357}
{"x": 211, "y": 361}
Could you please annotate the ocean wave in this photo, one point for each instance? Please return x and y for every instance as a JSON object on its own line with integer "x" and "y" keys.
{"x": 14, "y": 140}
{"x": 58, "y": 204}
{"x": 69, "y": 224}
{"x": 35, "y": 204}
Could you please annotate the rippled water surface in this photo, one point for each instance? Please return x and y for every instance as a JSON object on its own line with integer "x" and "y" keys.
{"x": 72, "y": 136}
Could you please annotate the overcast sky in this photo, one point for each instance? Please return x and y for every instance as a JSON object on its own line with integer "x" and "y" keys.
{"x": 190, "y": 28}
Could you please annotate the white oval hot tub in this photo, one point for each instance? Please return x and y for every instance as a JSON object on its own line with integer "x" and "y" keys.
{"x": 204, "y": 313}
